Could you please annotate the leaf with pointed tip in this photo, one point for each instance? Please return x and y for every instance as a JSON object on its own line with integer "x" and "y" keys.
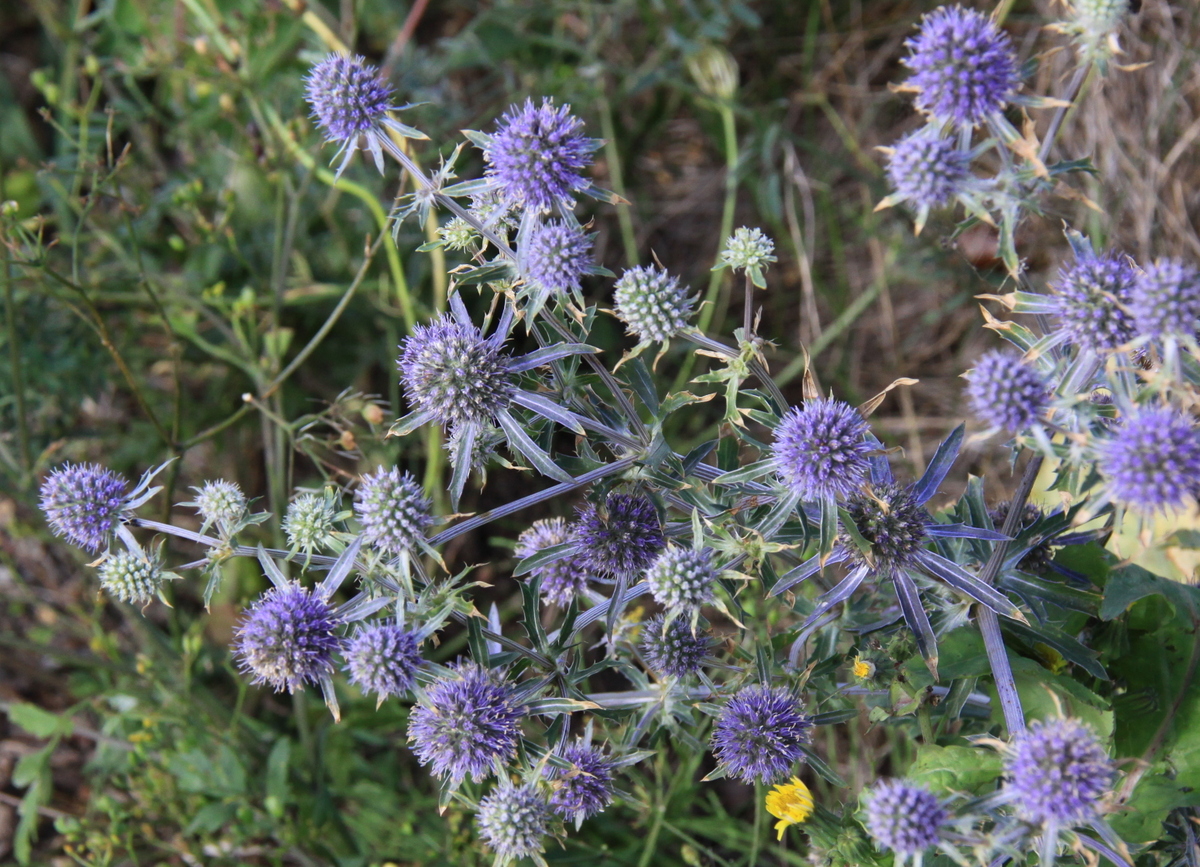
{"x": 521, "y": 442}
{"x": 840, "y": 593}
{"x": 340, "y": 570}
{"x": 818, "y": 764}
{"x": 274, "y": 573}
{"x": 558, "y": 705}
{"x": 963, "y": 531}
{"x": 939, "y": 466}
{"x": 547, "y": 408}
{"x": 916, "y": 618}
{"x": 410, "y": 423}
{"x": 967, "y": 584}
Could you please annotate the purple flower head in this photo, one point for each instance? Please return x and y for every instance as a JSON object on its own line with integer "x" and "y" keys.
{"x": 382, "y": 660}
{"x": 1090, "y": 299}
{"x": 392, "y": 510}
{"x": 556, "y": 257}
{"x": 450, "y": 370}
{"x": 1058, "y": 772}
{"x": 672, "y": 650}
{"x": 651, "y": 303}
{"x": 513, "y": 820}
{"x": 83, "y": 503}
{"x": 1165, "y": 301}
{"x": 465, "y": 721}
{"x": 927, "y": 170}
{"x": 821, "y": 449}
{"x": 562, "y": 580}
{"x": 892, "y": 522}
{"x": 904, "y": 818}
{"x": 1152, "y": 459}
{"x": 681, "y": 579}
{"x": 537, "y": 156}
{"x": 964, "y": 68}
{"x": 131, "y": 577}
{"x": 287, "y": 638}
{"x": 347, "y": 96}
{"x": 1005, "y": 392}
{"x": 624, "y": 540}
{"x": 587, "y": 788}
{"x": 760, "y": 734}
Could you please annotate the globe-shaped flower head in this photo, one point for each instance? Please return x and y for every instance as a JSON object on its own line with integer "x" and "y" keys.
{"x": 309, "y": 520}
{"x": 623, "y": 540}
{"x": 556, "y": 257}
{"x": 760, "y": 734}
{"x": 1058, "y": 772}
{"x": 1152, "y": 459}
{"x": 927, "y": 171}
{"x": 892, "y": 523}
{"x": 681, "y": 579}
{"x": 220, "y": 502}
{"x": 1165, "y": 301}
{"x": 1006, "y": 393}
{"x": 83, "y": 503}
{"x": 131, "y": 577}
{"x": 451, "y": 371}
{"x": 1090, "y": 301}
{"x": 537, "y": 156}
{"x": 903, "y": 817}
{"x": 821, "y": 449}
{"x": 513, "y": 820}
{"x": 963, "y": 65}
{"x": 382, "y": 660}
{"x": 392, "y": 510}
{"x": 561, "y": 580}
{"x": 287, "y": 638}
{"x": 585, "y": 789}
{"x": 652, "y": 304}
{"x": 464, "y": 722}
{"x": 673, "y": 650}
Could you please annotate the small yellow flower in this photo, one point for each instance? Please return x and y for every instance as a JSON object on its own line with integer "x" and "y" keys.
{"x": 790, "y": 803}
{"x": 863, "y": 668}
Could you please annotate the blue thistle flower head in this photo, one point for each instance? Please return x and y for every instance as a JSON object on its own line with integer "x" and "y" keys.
{"x": 220, "y": 502}
{"x": 624, "y": 539}
{"x": 450, "y": 370}
{"x": 288, "y": 638}
{"x": 131, "y": 577}
{"x": 561, "y": 580}
{"x": 83, "y": 504}
{"x": 964, "y": 67}
{"x": 1090, "y": 300}
{"x": 927, "y": 170}
{"x": 761, "y": 733}
{"x": 382, "y": 660}
{"x": 681, "y": 579}
{"x": 514, "y": 820}
{"x": 1165, "y": 301}
{"x": 392, "y": 509}
{"x": 821, "y": 449}
{"x": 587, "y": 788}
{"x": 347, "y": 96}
{"x": 464, "y": 722}
{"x": 893, "y": 523}
{"x": 672, "y": 649}
{"x": 310, "y": 520}
{"x": 1152, "y": 459}
{"x": 1006, "y": 393}
{"x": 1058, "y": 772}
{"x": 747, "y": 249}
{"x": 556, "y": 257}
{"x": 903, "y": 817}
{"x": 652, "y": 304}
{"x": 537, "y": 156}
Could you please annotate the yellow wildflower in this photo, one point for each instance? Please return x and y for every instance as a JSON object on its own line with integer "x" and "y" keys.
{"x": 863, "y": 668}
{"x": 791, "y": 803}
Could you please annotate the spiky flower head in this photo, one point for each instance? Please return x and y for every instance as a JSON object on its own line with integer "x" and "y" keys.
{"x": 748, "y": 249}
{"x": 1165, "y": 301}
{"x": 927, "y": 170}
{"x": 382, "y": 660}
{"x": 537, "y": 156}
{"x": 309, "y": 520}
{"x": 392, "y": 509}
{"x": 681, "y": 579}
{"x": 1058, "y": 771}
{"x": 457, "y": 234}
{"x": 287, "y": 638}
{"x": 513, "y": 820}
{"x": 1152, "y": 459}
{"x": 761, "y": 733}
{"x": 1038, "y": 558}
{"x": 347, "y": 96}
{"x": 672, "y": 649}
{"x": 1099, "y": 17}
{"x": 1090, "y": 300}
{"x": 131, "y": 577}
{"x": 452, "y": 372}
{"x": 561, "y": 580}
{"x": 587, "y": 787}
{"x": 964, "y": 67}
{"x": 904, "y": 817}
{"x": 556, "y": 256}
{"x": 624, "y": 539}
{"x": 891, "y": 521}
{"x": 83, "y": 503}
{"x": 464, "y": 722}
{"x": 791, "y": 803}
{"x": 652, "y": 304}
{"x": 821, "y": 449}
{"x": 221, "y": 503}
{"x": 1004, "y": 392}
